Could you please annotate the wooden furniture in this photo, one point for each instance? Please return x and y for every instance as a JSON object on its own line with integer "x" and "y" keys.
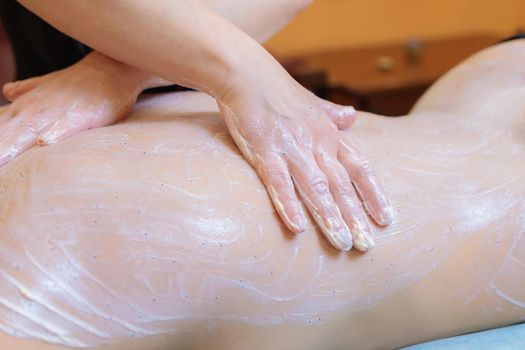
{"x": 388, "y": 79}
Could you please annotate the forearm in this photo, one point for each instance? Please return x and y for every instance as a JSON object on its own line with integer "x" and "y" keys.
{"x": 286, "y": 133}
{"x": 181, "y": 41}
{"x": 260, "y": 19}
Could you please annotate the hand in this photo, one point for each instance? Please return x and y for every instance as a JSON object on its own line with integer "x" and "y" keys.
{"x": 95, "y": 92}
{"x": 291, "y": 138}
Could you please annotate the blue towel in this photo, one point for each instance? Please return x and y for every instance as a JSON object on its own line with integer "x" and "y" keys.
{"x": 505, "y": 338}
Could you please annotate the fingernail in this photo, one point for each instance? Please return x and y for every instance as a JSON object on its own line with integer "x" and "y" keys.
{"x": 386, "y": 216}
{"x": 51, "y": 135}
{"x": 347, "y": 111}
{"x": 363, "y": 240}
{"x": 339, "y": 236}
{"x": 344, "y": 238}
{"x": 335, "y": 231}
{"x": 300, "y": 222}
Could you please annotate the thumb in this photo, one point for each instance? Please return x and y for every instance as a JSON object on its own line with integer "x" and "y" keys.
{"x": 342, "y": 116}
{"x": 15, "y": 89}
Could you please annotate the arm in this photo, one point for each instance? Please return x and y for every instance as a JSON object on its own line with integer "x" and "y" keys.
{"x": 100, "y": 80}
{"x": 287, "y": 134}
{"x": 172, "y": 39}
{"x": 256, "y": 18}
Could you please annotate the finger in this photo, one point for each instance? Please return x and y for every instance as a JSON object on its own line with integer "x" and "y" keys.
{"x": 72, "y": 123}
{"x": 5, "y": 116}
{"x": 366, "y": 184}
{"x": 315, "y": 192}
{"x": 18, "y": 141}
{"x": 278, "y": 182}
{"x": 15, "y": 89}
{"x": 342, "y": 116}
{"x": 349, "y": 203}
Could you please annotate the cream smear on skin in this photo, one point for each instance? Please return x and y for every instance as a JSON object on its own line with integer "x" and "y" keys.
{"x": 158, "y": 222}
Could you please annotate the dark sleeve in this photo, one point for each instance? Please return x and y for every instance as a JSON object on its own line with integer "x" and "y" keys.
{"x": 38, "y": 47}
{"x": 520, "y": 35}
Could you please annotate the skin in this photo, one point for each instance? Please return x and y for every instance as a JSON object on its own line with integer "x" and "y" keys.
{"x": 99, "y": 81}
{"x": 158, "y": 225}
{"x": 287, "y": 134}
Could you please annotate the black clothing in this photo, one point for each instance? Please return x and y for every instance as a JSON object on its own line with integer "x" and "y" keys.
{"x": 39, "y": 48}
{"x": 520, "y": 35}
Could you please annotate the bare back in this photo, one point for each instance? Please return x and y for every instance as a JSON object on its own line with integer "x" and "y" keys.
{"x": 158, "y": 225}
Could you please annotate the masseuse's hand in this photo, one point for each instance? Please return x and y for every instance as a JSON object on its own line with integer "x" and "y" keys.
{"x": 95, "y": 92}
{"x": 291, "y": 138}
{"x": 284, "y": 131}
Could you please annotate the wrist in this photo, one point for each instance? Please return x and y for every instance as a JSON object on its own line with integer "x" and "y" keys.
{"x": 245, "y": 73}
{"x": 255, "y": 80}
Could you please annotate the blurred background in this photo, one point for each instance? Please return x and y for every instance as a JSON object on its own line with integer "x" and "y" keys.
{"x": 378, "y": 55}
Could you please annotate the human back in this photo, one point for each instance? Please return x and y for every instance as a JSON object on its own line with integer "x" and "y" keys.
{"x": 175, "y": 231}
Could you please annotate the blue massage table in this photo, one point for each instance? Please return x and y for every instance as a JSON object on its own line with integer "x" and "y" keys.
{"x": 505, "y": 338}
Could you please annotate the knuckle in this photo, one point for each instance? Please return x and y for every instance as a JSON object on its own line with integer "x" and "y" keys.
{"x": 346, "y": 188}
{"x": 334, "y": 124}
{"x": 319, "y": 185}
{"x": 280, "y": 179}
{"x": 352, "y": 202}
{"x": 33, "y": 126}
{"x": 365, "y": 168}
{"x": 288, "y": 200}
{"x": 359, "y": 168}
{"x": 303, "y": 137}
